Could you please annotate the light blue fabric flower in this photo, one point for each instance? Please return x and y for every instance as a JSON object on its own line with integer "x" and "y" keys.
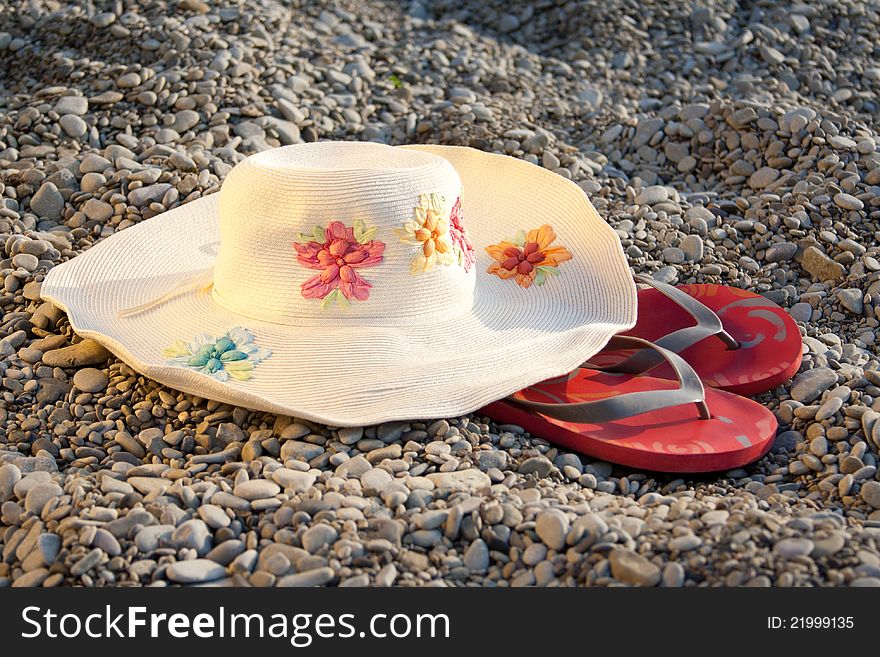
{"x": 233, "y": 354}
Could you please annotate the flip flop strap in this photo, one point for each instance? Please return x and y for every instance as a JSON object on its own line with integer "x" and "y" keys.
{"x": 689, "y": 391}
{"x": 707, "y": 322}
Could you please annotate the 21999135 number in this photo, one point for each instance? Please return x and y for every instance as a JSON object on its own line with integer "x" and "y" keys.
{"x": 811, "y": 623}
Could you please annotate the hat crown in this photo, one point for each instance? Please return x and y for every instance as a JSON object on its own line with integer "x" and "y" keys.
{"x": 351, "y": 233}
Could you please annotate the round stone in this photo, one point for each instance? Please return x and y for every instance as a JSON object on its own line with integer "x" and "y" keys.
{"x": 871, "y": 493}
{"x": 26, "y": 261}
{"x": 48, "y": 202}
{"x": 256, "y": 489}
{"x": 90, "y": 379}
{"x": 39, "y": 496}
{"x": 652, "y": 194}
{"x": 848, "y": 202}
{"x": 801, "y": 312}
{"x": 789, "y": 548}
{"x": 685, "y": 543}
{"x": 214, "y": 516}
{"x": 808, "y": 386}
{"x": 72, "y": 105}
{"x": 195, "y": 571}
{"x": 692, "y": 247}
{"x": 73, "y": 125}
{"x": 476, "y": 557}
{"x": 632, "y": 568}
{"x": 317, "y": 536}
{"x": 763, "y": 177}
{"x": 9, "y": 476}
{"x": 552, "y": 527}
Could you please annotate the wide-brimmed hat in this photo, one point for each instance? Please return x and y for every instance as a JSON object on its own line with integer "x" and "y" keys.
{"x": 354, "y": 283}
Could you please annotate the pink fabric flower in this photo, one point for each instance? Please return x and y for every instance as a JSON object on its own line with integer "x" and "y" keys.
{"x": 460, "y": 240}
{"x": 342, "y": 251}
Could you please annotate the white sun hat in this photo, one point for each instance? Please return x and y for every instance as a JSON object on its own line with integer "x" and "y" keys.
{"x": 354, "y": 283}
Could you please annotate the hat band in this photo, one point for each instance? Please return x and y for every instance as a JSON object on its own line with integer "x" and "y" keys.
{"x": 203, "y": 279}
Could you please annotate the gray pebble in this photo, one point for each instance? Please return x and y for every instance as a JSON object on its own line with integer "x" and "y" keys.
{"x": 89, "y": 379}
{"x": 195, "y": 571}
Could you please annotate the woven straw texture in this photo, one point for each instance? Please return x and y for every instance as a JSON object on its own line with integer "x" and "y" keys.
{"x": 439, "y": 343}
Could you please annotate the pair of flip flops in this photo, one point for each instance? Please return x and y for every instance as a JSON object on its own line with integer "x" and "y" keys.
{"x": 666, "y": 396}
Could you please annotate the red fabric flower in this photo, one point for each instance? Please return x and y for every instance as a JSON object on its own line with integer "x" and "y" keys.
{"x": 342, "y": 251}
{"x": 459, "y": 236}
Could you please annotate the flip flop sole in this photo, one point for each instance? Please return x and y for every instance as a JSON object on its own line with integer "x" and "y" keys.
{"x": 669, "y": 440}
{"x": 770, "y": 343}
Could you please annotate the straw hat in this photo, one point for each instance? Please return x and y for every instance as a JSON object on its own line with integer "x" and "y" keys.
{"x": 355, "y": 283}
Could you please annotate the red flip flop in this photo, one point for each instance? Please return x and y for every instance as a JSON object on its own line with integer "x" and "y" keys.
{"x": 668, "y": 425}
{"x": 735, "y": 340}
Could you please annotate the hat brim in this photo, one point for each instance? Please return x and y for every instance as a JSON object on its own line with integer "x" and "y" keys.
{"x": 511, "y": 338}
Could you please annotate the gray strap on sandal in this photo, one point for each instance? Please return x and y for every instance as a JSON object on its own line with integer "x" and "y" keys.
{"x": 707, "y": 322}
{"x": 690, "y": 391}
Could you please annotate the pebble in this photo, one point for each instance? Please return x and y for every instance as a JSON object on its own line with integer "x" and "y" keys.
{"x": 673, "y": 575}
{"x": 781, "y": 252}
{"x": 801, "y": 312}
{"x": 86, "y": 352}
{"x": 9, "y": 476}
{"x": 75, "y": 105}
{"x": 318, "y": 536}
{"x": 148, "y": 194}
{"x": 48, "y": 202}
{"x": 40, "y": 495}
{"x": 256, "y": 489}
{"x": 298, "y": 482}
{"x": 463, "y": 480}
{"x": 195, "y": 571}
{"x": 851, "y": 299}
{"x": 552, "y": 527}
{"x": 808, "y": 386}
{"x": 89, "y": 379}
{"x": 790, "y": 548}
{"x": 375, "y": 481}
{"x": 214, "y": 516}
{"x": 476, "y": 557}
{"x": 538, "y": 465}
{"x": 314, "y": 577}
{"x": 632, "y": 568}
{"x": 294, "y": 449}
{"x": 848, "y": 202}
{"x": 652, "y": 194}
{"x": 73, "y": 126}
{"x": 685, "y": 543}
{"x": 821, "y": 267}
{"x": 763, "y": 177}
{"x": 692, "y": 247}
{"x": 871, "y": 493}
{"x": 97, "y": 210}
{"x": 828, "y": 545}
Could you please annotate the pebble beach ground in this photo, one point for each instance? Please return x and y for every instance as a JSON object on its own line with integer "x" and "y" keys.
{"x": 731, "y": 143}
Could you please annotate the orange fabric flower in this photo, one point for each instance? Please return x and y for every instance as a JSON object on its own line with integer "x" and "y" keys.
{"x": 528, "y": 258}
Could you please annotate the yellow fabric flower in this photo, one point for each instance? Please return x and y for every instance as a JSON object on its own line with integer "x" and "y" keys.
{"x": 428, "y": 230}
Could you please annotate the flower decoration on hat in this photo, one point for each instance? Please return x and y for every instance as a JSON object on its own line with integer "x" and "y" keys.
{"x": 528, "y": 258}
{"x": 428, "y": 230}
{"x": 338, "y": 251}
{"x": 460, "y": 241}
{"x": 233, "y": 355}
